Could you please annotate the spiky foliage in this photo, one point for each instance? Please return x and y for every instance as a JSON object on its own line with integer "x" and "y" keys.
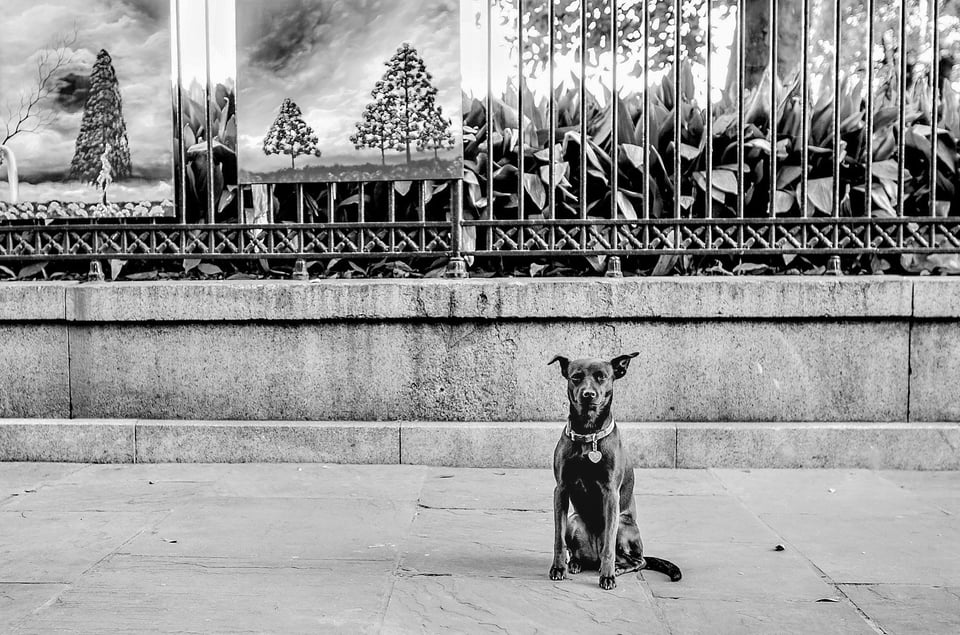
{"x": 102, "y": 125}
{"x": 291, "y": 135}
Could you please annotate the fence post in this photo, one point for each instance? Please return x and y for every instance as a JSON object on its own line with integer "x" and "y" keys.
{"x": 96, "y": 272}
{"x": 457, "y": 267}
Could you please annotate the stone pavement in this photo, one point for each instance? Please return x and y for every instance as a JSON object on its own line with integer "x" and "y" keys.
{"x": 405, "y": 549}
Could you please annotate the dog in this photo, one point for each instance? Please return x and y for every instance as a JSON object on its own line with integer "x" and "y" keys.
{"x": 594, "y": 475}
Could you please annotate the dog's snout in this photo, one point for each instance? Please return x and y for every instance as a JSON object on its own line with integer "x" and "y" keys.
{"x": 588, "y": 394}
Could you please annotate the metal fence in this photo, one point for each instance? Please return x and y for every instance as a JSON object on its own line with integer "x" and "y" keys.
{"x": 655, "y": 193}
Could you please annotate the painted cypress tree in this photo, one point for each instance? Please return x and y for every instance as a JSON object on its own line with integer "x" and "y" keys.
{"x": 406, "y": 89}
{"x": 102, "y": 126}
{"x": 290, "y": 134}
{"x": 379, "y": 127}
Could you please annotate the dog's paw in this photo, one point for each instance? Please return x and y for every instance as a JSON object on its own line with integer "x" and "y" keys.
{"x": 574, "y": 567}
{"x": 557, "y": 573}
{"x": 608, "y": 582}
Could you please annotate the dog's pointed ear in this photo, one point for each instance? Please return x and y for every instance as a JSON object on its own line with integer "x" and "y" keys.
{"x": 564, "y": 364}
{"x": 620, "y": 364}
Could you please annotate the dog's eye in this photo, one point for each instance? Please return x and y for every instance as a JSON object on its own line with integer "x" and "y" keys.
{"x": 600, "y": 377}
{"x": 577, "y": 378}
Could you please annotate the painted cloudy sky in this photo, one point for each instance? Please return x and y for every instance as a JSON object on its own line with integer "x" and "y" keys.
{"x": 326, "y": 55}
{"x": 136, "y": 33}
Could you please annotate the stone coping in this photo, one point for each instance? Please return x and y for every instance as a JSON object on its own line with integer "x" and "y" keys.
{"x": 760, "y": 297}
{"x": 914, "y": 446}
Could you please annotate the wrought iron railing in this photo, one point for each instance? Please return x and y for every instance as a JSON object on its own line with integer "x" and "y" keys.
{"x": 463, "y": 218}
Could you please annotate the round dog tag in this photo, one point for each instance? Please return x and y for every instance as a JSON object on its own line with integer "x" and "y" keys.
{"x": 594, "y": 455}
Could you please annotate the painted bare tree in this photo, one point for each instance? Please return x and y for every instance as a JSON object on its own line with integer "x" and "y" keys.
{"x": 27, "y": 114}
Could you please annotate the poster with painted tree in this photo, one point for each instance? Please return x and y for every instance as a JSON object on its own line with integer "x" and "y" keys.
{"x": 376, "y": 87}
{"x": 86, "y": 125}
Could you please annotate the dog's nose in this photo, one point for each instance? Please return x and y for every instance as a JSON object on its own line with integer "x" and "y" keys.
{"x": 588, "y": 394}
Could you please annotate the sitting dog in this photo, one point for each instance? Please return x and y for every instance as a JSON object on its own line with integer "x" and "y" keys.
{"x": 594, "y": 474}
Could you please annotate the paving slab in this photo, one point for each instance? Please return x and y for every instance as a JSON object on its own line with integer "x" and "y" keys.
{"x": 469, "y": 488}
{"x": 264, "y": 530}
{"x": 17, "y": 478}
{"x": 819, "y": 491}
{"x": 711, "y": 519}
{"x": 60, "y": 546}
{"x": 736, "y": 572}
{"x": 488, "y": 605}
{"x": 941, "y": 489}
{"x": 480, "y": 543}
{"x": 717, "y": 617}
{"x": 902, "y": 609}
{"x": 857, "y": 547}
{"x": 400, "y": 549}
{"x": 169, "y": 595}
{"x": 18, "y": 601}
{"x": 383, "y": 482}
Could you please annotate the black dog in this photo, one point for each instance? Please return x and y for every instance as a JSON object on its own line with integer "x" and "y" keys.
{"x": 594, "y": 473}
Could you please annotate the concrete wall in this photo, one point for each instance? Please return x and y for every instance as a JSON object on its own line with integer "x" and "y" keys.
{"x": 711, "y": 349}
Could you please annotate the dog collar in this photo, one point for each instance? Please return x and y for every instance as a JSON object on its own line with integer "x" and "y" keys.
{"x": 594, "y": 454}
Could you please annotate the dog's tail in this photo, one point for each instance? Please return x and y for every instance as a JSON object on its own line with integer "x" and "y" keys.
{"x": 663, "y": 566}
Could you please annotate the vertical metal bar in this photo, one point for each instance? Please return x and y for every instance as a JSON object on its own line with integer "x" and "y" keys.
{"x": 615, "y": 123}
{"x": 489, "y": 122}
{"x": 804, "y": 115}
{"x": 456, "y": 224}
{"x": 521, "y": 129}
{"x": 645, "y": 120}
{"x": 709, "y": 126}
{"x": 741, "y": 72}
{"x": 871, "y": 88}
{"x": 271, "y": 206}
{"x": 552, "y": 108}
{"x": 773, "y": 29}
{"x": 181, "y": 156}
{"x": 331, "y": 216}
{"x": 677, "y": 121}
{"x": 211, "y": 94}
{"x": 583, "y": 121}
{"x": 837, "y": 51}
{"x": 361, "y": 217}
{"x": 300, "y": 203}
{"x": 934, "y": 112}
{"x": 422, "y": 214}
{"x": 901, "y": 141}
{"x": 392, "y": 217}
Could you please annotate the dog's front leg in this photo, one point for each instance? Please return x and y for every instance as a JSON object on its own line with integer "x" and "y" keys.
{"x": 561, "y": 506}
{"x": 611, "y": 520}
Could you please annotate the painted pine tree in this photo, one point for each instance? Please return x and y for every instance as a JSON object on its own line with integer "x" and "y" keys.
{"x": 102, "y": 126}
{"x": 436, "y": 134}
{"x": 291, "y": 135}
{"x": 406, "y": 90}
{"x": 378, "y": 128}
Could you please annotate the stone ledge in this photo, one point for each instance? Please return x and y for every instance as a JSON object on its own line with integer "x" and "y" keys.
{"x": 520, "y": 445}
{"x": 266, "y": 442}
{"x": 935, "y": 298}
{"x": 68, "y": 441}
{"x": 507, "y": 445}
{"x": 897, "y": 446}
{"x": 780, "y": 297}
{"x": 34, "y": 301}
